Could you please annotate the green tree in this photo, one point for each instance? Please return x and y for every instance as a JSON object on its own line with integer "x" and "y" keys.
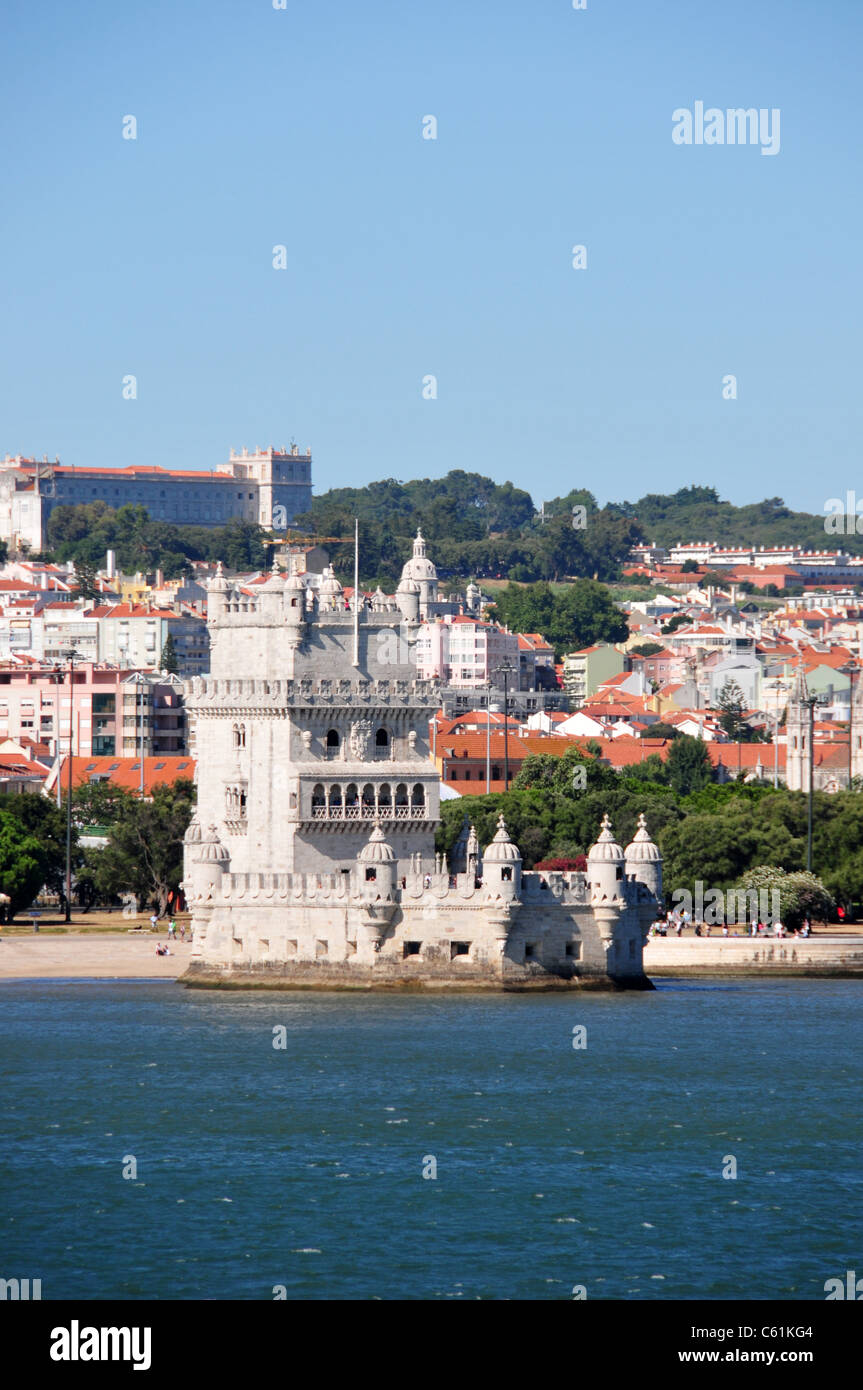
{"x": 144, "y": 854}
{"x": 169, "y": 656}
{"x": 46, "y": 822}
{"x": 800, "y": 894}
{"x": 23, "y": 863}
{"x": 688, "y": 763}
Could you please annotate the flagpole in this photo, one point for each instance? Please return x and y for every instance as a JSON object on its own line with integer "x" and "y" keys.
{"x": 356, "y": 661}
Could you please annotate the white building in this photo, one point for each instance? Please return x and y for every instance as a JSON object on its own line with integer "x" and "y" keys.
{"x": 311, "y": 860}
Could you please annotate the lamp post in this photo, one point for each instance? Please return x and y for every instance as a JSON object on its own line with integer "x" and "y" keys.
{"x": 140, "y": 680}
{"x": 488, "y": 738}
{"x": 506, "y": 671}
{"x": 70, "y": 657}
{"x": 810, "y": 701}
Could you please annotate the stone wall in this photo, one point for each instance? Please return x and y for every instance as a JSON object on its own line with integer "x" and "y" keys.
{"x": 751, "y": 956}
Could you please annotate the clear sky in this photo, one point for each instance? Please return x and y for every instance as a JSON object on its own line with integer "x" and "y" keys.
{"x": 302, "y": 127}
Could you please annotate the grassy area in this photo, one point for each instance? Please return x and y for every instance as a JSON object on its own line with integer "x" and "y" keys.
{"x": 89, "y": 923}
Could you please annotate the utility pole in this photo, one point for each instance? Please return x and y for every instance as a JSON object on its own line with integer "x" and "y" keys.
{"x": 139, "y": 681}
{"x": 506, "y": 672}
{"x": 810, "y": 702}
{"x": 488, "y": 740}
{"x": 71, "y": 655}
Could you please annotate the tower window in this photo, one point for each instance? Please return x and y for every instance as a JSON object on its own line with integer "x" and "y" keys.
{"x": 459, "y": 948}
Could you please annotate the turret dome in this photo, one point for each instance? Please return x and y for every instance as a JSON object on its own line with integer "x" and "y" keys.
{"x": 212, "y": 849}
{"x": 606, "y": 850}
{"x": 501, "y": 850}
{"x": 378, "y": 850}
{"x": 642, "y": 850}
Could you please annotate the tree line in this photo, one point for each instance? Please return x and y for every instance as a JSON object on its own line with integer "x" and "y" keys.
{"x": 707, "y": 832}
{"x": 476, "y": 527}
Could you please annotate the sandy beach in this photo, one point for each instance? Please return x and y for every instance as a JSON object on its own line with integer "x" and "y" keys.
{"x": 104, "y": 956}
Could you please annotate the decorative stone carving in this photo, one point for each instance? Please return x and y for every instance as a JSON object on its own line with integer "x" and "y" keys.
{"x": 360, "y": 737}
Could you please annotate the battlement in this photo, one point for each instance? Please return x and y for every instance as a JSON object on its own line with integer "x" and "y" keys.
{"x": 307, "y": 692}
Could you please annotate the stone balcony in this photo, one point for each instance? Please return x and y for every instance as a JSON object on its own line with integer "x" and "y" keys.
{"x": 361, "y": 812}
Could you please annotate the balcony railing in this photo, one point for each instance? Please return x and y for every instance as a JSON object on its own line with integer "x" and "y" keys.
{"x": 368, "y": 812}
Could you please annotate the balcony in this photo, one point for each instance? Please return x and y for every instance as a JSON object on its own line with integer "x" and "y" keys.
{"x": 343, "y": 813}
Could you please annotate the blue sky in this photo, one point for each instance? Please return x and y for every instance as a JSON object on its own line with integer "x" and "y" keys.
{"x": 407, "y": 257}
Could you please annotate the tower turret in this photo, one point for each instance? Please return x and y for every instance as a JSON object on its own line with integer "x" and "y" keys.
{"x": 217, "y": 595}
{"x": 501, "y": 864}
{"x": 408, "y": 600}
{"x": 643, "y": 860}
{"x": 605, "y": 867}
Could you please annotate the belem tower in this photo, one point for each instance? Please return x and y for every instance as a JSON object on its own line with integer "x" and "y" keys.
{"x": 311, "y": 857}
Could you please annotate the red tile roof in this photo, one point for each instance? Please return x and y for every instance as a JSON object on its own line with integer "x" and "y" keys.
{"x": 126, "y": 772}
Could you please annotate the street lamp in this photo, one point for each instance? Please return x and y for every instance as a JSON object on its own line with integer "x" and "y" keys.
{"x": 140, "y": 679}
{"x": 506, "y": 671}
{"x": 71, "y": 656}
{"x": 488, "y": 687}
{"x": 810, "y": 701}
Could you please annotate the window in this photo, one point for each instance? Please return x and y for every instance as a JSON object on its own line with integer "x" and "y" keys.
{"x": 371, "y": 875}
{"x": 382, "y": 742}
{"x": 239, "y": 735}
{"x": 573, "y": 949}
{"x": 530, "y": 951}
{"x": 506, "y": 874}
{"x": 411, "y": 948}
{"x": 459, "y": 948}
{"x": 333, "y": 743}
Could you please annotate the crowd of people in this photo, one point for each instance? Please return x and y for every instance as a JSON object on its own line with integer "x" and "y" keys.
{"x": 675, "y": 922}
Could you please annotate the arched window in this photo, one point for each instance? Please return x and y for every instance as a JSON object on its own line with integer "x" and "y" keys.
{"x": 368, "y": 794}
{"x": 351, "y": 794}
{"x": 335, "y": 795}
{"x": 385, "y": 795}
{"x": 382, "y": 744}
{"x": 418, "y": 796}
{"x": 401, "y": 794}
{"x": 319, "y": 796}
{"x": 239, "y": 735}
{"x": 333, "y": 743}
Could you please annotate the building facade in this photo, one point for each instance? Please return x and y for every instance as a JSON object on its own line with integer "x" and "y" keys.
{"x": 105, "y": 711}
{"x": 267, "y": 486}
{"x": 311, "y": 859}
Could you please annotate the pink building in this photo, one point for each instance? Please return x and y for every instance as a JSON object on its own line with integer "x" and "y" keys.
{"x": 463, "y": 651}
{"x": 109, "y": 709}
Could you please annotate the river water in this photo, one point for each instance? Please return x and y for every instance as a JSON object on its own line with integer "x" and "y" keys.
{"x": 252, "y": 1168}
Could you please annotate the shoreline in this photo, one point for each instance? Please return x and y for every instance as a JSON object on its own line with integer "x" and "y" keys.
{"x": 109, "y": 955}
{"x": 93, "y": 956}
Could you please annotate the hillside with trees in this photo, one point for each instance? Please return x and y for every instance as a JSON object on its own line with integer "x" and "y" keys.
{"x": 475, "y": 528}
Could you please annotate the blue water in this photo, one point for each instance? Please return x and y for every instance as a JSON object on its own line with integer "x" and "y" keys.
{"x": 302, "y": 1167}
